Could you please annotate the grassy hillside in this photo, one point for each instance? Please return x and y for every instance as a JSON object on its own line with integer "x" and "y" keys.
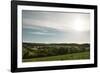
{"x": 37, "y": 50}
{"x": 73, "y": 56}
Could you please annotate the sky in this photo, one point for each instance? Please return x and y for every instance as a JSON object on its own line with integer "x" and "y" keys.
{"x": 55, "y": 27}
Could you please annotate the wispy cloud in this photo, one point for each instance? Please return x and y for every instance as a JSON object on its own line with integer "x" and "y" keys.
{"x": 61, "y": 21}
{"x": 54, "y": 27}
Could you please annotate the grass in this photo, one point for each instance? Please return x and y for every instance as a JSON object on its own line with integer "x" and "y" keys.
{"x": 74, "y": 56}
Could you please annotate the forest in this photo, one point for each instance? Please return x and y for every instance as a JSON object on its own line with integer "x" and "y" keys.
{"x": 54, "y": 51}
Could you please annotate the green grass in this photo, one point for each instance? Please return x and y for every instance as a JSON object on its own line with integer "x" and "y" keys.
{"x": 74, "y": 56}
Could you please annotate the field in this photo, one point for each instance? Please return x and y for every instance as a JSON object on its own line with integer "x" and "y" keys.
{"x": 74, "y": 56}
{"x": 33, "y": 52}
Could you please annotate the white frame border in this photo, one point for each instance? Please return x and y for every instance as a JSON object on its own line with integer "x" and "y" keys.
{"x": 52, "y": 63}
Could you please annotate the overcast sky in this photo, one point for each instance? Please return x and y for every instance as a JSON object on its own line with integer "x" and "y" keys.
{"x": 55, "y": 27}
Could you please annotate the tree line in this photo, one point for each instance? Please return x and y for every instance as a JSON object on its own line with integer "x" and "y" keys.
{"x": 29, "y": 51}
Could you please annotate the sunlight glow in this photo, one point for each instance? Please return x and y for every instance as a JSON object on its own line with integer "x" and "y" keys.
{"x": 79, "y": 25}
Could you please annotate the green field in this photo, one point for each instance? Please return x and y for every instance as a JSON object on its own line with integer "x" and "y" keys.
{"x": 73, "y": 56}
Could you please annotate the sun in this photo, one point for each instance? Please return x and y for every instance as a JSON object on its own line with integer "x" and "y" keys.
{"x": 79, "y": 25}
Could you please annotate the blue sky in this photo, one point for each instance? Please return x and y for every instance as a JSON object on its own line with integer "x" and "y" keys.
{"x": 55, "y": 27}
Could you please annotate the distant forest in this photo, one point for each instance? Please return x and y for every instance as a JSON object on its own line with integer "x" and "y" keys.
{"x": 39, "y": 50}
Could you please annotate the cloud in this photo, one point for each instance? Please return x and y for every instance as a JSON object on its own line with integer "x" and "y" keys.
{"x": 55, "y": 27}
{"x": 60, "y": 20}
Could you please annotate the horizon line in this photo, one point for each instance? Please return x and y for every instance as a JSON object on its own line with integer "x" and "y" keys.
{"x": 56, "y": 43}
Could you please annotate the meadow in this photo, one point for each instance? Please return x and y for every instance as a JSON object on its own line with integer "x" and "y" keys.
{"x": 33, "y": 52}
